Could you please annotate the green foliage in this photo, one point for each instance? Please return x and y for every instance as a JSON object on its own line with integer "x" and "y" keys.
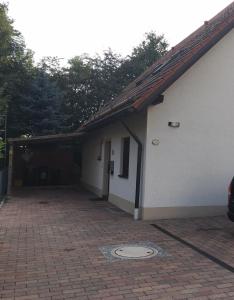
{"x": 27, "y": 92}
{"x": 144, "y": 55}
{"x": 15, "y": 68}
{"x": 48, "y": 98}
{"x": 2, "y": 149}
{"x": 45, "y": 105}
{"x": 88, "y": 83}
{"x": 39, "y": 110}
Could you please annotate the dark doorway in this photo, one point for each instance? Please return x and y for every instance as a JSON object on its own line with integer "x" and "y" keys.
{"x": 106, "y": 169}
{"x": 46, "y": 165}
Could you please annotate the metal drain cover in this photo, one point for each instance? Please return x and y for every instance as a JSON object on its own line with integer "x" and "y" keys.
{"x": 134, "y": 252}
{"x": 139, "y": 250}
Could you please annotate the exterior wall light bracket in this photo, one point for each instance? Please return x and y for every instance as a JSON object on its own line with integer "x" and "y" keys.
{"x": 174, "y": 124}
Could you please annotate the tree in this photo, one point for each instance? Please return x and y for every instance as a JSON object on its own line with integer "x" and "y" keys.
{"x": 28, "y": 93}
{"x": 16, "y": 65}
{"x": 6, "y": 49}
{"x": 39, "y": 110}
{"x": 143, "y": 56}
{"x": 47, "y": 98}
{"x": 75, "y": 84}
{"x": 89, "y": 83}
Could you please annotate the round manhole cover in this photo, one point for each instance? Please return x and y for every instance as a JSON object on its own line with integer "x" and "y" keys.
{"x": 136, "y": 251}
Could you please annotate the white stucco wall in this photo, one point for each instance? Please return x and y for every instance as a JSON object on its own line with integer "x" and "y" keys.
{"x": 193, "y": 164}
{"x": 92, "y": 173}
{"x": 92, "y": 169}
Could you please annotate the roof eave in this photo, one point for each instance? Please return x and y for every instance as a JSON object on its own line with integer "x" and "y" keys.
{"x": 106, "y": 119}
{"x": 46, "y": 138}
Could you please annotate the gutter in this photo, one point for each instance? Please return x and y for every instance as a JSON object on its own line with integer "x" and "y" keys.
{"x": 138, "y": 174}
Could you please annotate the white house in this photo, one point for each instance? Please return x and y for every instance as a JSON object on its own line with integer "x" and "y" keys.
{"x": 165, "y": 147}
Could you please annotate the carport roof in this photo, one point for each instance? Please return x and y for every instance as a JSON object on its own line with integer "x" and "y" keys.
{"x": 46, "y": 138}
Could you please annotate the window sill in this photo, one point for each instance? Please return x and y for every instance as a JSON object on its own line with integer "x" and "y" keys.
{"x": 123, "y": 176}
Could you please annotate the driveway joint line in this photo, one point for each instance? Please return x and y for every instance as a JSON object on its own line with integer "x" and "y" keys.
{"x": 193, "y": 247}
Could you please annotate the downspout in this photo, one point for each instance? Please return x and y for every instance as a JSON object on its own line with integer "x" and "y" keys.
{"x": 138, "y": 174}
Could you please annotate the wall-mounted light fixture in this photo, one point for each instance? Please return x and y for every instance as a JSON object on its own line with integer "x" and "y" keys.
{"x": 174, "y": 124}
{"x": 155, "y": 142}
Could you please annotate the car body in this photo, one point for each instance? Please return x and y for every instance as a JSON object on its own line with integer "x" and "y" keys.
{"x": 231, "y": 201}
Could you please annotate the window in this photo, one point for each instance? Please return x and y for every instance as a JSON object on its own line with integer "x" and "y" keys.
{"x": 125, "y": 157}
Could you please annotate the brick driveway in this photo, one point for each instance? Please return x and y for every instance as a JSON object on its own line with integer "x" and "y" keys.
{"x": 49, "y": 249}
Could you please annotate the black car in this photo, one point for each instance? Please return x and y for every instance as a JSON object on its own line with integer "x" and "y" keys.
{"x": 231, "y": 201}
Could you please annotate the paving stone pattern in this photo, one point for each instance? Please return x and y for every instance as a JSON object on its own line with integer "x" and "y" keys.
{"x": 50, "y": 242}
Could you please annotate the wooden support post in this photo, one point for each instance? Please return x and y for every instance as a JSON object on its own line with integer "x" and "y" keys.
{"x": 10, "y": 169}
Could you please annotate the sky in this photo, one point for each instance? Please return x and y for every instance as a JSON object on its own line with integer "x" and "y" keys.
{"x": 73, "y": 27}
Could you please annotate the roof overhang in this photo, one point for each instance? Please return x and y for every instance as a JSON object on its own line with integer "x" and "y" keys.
{"x": 46, "y": 138}
{"x": 109, "y": 118}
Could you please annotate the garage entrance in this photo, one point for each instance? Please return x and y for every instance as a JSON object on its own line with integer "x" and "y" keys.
{"x": 53, "y": 160}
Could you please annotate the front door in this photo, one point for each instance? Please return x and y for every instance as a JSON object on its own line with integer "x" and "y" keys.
{"x": 106, "y": 169}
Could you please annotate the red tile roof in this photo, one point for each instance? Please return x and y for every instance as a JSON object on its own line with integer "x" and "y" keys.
{"x": 157, "y": 78}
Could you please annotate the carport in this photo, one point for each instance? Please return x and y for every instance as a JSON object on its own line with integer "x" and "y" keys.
{"x": 50, "y": 160}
